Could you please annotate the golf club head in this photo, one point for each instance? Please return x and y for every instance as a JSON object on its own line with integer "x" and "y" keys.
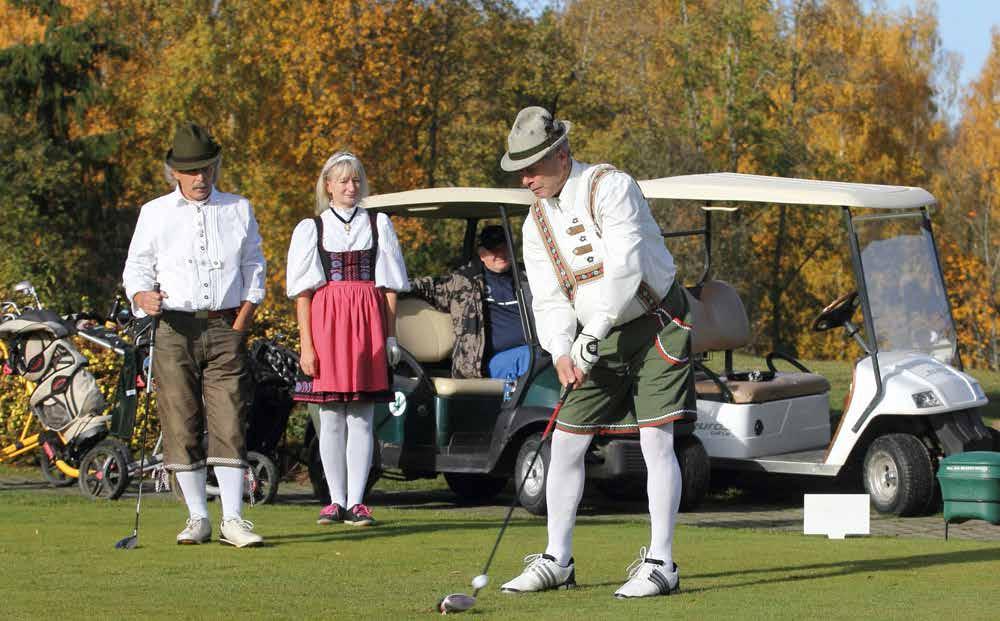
{"x": 128, "y": 542}
{"x": 456, "y": 602}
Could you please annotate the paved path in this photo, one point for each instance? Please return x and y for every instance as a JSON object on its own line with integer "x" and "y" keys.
{"x": 783, "y": 517}
{"x": 776, "y": 511}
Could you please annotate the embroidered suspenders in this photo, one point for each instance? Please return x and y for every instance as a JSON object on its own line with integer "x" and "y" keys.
{"x": 602, "y": 171}
{"x": 568, "y": 279}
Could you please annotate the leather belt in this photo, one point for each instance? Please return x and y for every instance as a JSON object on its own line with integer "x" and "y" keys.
{"x": 208, "y": 314}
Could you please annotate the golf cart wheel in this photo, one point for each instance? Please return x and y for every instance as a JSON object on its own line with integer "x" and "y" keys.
{"x": 531, "y": 496}
{"x": 696, "y": 471}
{"x": 53, "y": 475}
{"x": 317, "y": 476}
{"x": 474, "y": 487}
{"x": 263, "y": 486}
{"x": 104, "y": 470}
{"x": 898, "y": 475}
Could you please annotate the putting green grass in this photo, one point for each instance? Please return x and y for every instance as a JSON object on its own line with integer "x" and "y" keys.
{"x": 57, "y": 554}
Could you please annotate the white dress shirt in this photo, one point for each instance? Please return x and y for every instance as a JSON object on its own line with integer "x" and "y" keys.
{"x": 205, "y": 255}
{"x": 630, "y": 249}
{"x": 305, "y": 270}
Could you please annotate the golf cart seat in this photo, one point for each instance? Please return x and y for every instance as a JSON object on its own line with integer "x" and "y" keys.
{"x": 428, "y": 335}
{"x": 719, "y": 323}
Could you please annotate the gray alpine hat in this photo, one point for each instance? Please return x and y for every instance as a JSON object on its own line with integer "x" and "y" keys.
{"x": 534, "y": 134}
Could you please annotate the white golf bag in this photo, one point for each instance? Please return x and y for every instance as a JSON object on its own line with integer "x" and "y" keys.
{"x": 66, "y": 398}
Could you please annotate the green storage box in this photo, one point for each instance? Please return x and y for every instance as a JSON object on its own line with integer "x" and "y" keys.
{"x": 970, "y": 487}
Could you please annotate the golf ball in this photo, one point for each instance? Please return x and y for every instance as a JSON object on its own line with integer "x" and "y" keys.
{"x": 480, "y": 581}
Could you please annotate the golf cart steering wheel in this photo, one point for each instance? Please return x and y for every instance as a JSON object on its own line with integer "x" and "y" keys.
{"x": 837, "y": 312}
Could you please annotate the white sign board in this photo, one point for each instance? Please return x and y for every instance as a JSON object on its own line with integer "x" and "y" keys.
{"x": 836, "y": 515}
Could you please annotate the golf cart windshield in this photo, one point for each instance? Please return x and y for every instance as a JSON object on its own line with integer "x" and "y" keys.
{"x": 905, "y": 288}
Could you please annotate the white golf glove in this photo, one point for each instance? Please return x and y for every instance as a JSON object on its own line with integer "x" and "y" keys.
{"x": 392, "y": 351}
{"x": 584, "y": 352}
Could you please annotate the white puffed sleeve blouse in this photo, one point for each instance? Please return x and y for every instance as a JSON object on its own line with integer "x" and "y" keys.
{"x": 305, "y": 270}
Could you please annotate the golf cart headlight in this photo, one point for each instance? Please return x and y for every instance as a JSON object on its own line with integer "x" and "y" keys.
{"x": 977, "y": 390}
{"x": 926, "y": 399}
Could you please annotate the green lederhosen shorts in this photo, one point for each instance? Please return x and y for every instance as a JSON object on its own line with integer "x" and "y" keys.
{"x": 643, "y": 377}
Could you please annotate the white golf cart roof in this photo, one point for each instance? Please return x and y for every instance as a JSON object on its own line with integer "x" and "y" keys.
{"x": 734, "y": 187}
{"x": 452, "y": 202}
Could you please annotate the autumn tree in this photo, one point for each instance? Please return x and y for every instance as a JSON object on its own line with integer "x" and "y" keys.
{"x": 969, "y": 185}
{"x": 58, "y": 172}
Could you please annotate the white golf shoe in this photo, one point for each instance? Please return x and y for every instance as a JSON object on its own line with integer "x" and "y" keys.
{"x": 648, "y": 577}
{"x": 239, "y": 532}
{"x": 197, "y": 530}
{"x": 541, "y": 574}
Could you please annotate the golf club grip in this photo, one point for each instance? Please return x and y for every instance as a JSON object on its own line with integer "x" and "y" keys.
{"x": 555, "y": 411}
{"x": 152, "y": 343}
{"x": 517, "y": 490}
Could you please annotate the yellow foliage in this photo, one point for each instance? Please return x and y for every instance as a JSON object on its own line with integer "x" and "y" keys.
{"x": 423, "y": 91}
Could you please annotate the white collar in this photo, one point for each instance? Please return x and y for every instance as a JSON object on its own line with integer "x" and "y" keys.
{"x": 567, "y": 195}
{"x": 346, "y": 211}
{"x": 182, "y": 200}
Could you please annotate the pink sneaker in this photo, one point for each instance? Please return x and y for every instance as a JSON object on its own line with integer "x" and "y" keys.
{"x": 331, "y": 514}
{"x": 359, "y": 515}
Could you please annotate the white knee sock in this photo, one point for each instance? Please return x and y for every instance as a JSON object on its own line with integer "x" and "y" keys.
{"x": 663, "y": 487}
{"x": 359, "y": 450}
{"x": 332, "y": 443}
{"x": 192, "y": 484}
{"x": 230, "y": 490}
{"x": 563, "y": 490}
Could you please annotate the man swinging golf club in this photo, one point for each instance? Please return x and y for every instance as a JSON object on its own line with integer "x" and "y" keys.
{"x": 204, "y": 248}
{"x": 595, "y": 257}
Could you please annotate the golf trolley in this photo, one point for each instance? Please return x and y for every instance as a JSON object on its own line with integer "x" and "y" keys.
{"x": 273, "y": 368}
{"x": 77, "y": 435}
{"x": 909, "y": 403}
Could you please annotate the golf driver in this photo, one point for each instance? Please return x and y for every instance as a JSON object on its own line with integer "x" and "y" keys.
{"x": 458, "y": 602}
{"x": 132, "y": 540}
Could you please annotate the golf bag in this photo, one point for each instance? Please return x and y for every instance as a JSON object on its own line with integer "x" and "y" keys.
{"x": 66, "y": 398}
{"x": 273, "y": 368}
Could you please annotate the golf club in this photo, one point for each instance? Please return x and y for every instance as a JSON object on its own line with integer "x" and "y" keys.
{"x": 132, "y": 540}
{"x": 458, "y": 602}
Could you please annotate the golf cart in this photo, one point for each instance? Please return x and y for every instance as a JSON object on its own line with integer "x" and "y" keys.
{"x": 481, "y": 432}
{"x": 909, "y": 403}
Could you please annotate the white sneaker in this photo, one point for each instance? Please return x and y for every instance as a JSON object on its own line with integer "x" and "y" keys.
{"x": 647, "y": 578}
{"x": 197, "y": 530}
{"x": 239, "y": 532}
{"x": 541, "y": 574}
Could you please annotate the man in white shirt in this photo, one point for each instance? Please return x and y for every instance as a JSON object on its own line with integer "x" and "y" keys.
{"x": 203, "y": 248}
{"x": 596, "y": 258}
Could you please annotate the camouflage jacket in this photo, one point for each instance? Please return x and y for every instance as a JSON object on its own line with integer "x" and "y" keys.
{"x": 462, "y": 294}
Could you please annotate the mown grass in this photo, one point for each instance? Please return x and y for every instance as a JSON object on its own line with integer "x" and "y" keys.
{"x": 57, "y": 554}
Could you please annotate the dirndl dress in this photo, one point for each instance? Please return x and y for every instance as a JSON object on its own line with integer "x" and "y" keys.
{"x": 348, "y": 329}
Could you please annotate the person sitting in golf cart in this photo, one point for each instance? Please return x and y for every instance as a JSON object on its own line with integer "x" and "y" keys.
{"x": 480, "y": 296}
